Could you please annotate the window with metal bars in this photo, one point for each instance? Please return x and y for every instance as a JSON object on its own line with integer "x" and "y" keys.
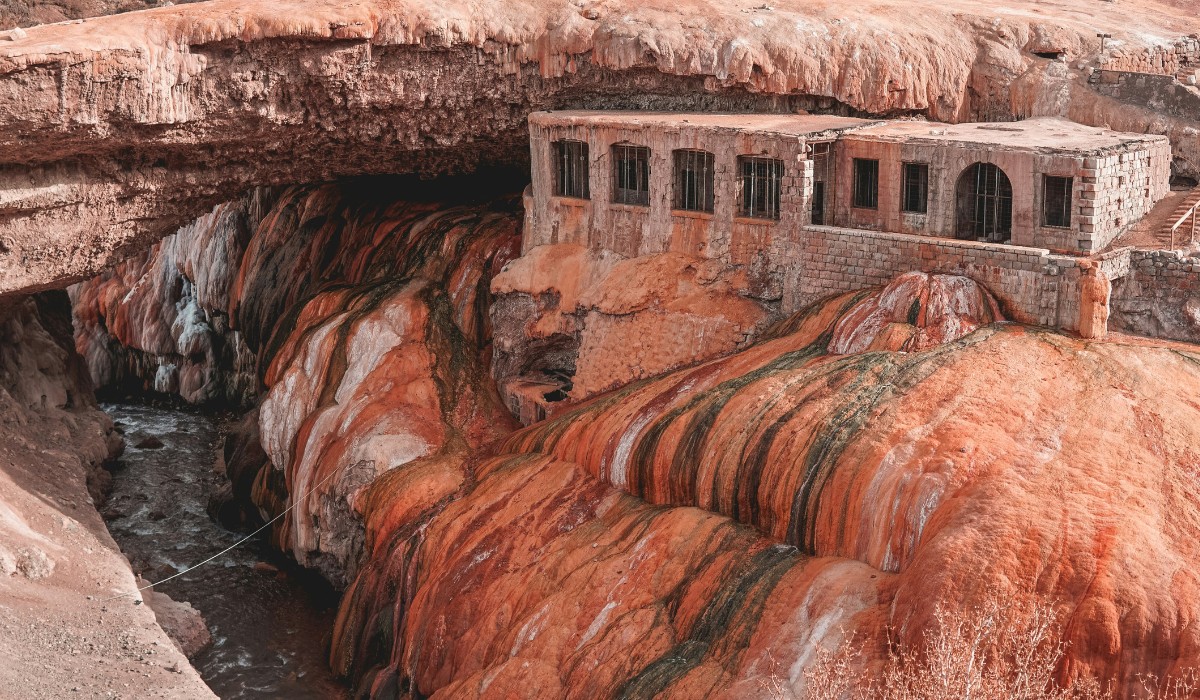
{"x": 631, "y": 174}
{"x": 1056, "y": 201}
{"x": 866, "y": 183}
{"x": 818, "y": 203}
{"x": 694, "y": 180}
{"x": 571, "y": 169}
{"x": 760, "y": 179}
{"x": 914, "y": 188}
{"x": 984, "y": 203}
{"x": 822, "y": 156}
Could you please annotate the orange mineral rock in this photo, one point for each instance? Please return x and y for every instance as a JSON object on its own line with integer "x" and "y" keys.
{"x": 1094, "y": 292}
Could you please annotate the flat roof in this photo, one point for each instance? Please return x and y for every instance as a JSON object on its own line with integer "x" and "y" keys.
{"x": 1042, "y": 134}
{"x": 785, "y": 124}
{"x": 1038, "y": 134}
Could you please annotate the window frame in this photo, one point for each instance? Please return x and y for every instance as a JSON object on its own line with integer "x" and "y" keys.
{"x": 1067, "y": 202}
{"x": 824, "y": 163}
{"x": 624, "y": 153}
{"x": 576, "y": 173}
{"x": 685, "y": 199}
{"x": 983, "y": 209}
{"x": 906, "y": 183}
{"x": 856, "y": 195}
{"x": 771, "y": 189}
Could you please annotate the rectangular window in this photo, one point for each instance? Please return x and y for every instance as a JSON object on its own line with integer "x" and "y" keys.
{"x": 866, "y": 183}
{"x": 571, "y": 169}
{"x": 1056, "y": 201}
{"x": 914, "y": 188}
{"x": 631, "y": 175}
{"x": 694, "y": 180}
{"x": 760, "y": 183}
{"x": 818, "y": 203}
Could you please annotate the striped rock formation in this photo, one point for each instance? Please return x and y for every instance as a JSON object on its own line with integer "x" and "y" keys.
{"x": 696, "y": 535}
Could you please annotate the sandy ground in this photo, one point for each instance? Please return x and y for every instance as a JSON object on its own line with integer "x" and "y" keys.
{"x": 58, "y": 639}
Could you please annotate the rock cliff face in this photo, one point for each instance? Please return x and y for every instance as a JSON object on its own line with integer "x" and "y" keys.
{"x": 572, "y": 322}
{"x": 160, "y": 321}
{"x": 680, "y": 526}
{"x": 522, "y": 576}
{"x": 712, "y": 493}
{"x": 116, "y": 131}
{"x": 31, "y": 12}
{"x": 57, "y": 560}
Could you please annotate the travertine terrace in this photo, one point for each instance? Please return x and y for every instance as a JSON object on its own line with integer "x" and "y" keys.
{"x": 591, "y": 348}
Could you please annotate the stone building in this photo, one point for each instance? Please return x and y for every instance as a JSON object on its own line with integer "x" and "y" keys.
{"x": 629, "y": 181}
{"x": 1045, "y": 183}
{"x": 825, "y": 204}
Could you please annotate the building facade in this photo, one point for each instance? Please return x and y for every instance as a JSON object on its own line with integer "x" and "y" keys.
{"x": 828, "y": 204}
{"x": 1044, "y": 183}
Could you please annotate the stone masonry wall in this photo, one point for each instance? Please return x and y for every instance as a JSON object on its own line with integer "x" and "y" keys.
{"x": 1032, "y": 284}
{"x": 634, "y": 230}
{"x": 1162, "y": 60}
{"x": 1161, "y": 93}
{"x": 947, "y": 163}
{"x": 1118, "y": 189}
{"x": 1110, "y": 190}
{"x": 789, "y": 259}
{"x": 1159, "y": 297}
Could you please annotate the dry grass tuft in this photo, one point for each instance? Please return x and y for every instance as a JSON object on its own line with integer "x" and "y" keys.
{"x": 992, "y": 653}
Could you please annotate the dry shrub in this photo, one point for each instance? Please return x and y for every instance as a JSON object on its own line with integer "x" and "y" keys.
{"x": 992, "y": 652}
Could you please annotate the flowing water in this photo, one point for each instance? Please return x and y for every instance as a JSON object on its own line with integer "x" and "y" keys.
{"x": 270, "y": 629}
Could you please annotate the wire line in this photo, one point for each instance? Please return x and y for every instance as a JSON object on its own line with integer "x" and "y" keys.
{"x": 230, "y": 548}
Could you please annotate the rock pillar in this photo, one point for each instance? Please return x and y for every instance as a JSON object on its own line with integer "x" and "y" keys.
{"x": 1094, "y": 292}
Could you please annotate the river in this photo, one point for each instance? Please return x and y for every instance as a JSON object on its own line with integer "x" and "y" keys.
{"x": 270, "y": 630}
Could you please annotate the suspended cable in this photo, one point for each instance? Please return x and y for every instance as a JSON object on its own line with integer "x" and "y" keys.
{"x": 228, "y": 549}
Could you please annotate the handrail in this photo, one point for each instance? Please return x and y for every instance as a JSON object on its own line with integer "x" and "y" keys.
{"x": 1190, "y": 213}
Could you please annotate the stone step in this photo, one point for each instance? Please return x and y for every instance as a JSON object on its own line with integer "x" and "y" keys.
{"x": 1184, "y": 233}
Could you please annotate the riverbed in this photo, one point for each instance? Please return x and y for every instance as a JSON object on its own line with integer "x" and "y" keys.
{"x": 270, "y": 622}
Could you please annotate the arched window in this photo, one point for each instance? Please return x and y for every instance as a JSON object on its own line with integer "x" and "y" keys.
{"x": 984, "y": 204}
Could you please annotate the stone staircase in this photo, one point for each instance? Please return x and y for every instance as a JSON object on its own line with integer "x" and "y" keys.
{"x": 1181, "y": 236}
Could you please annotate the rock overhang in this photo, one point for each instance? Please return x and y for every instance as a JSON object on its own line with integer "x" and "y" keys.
{"x": 116, "y": 130}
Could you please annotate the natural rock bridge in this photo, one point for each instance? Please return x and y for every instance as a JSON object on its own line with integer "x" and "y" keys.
{"x": 114, "y": 131}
